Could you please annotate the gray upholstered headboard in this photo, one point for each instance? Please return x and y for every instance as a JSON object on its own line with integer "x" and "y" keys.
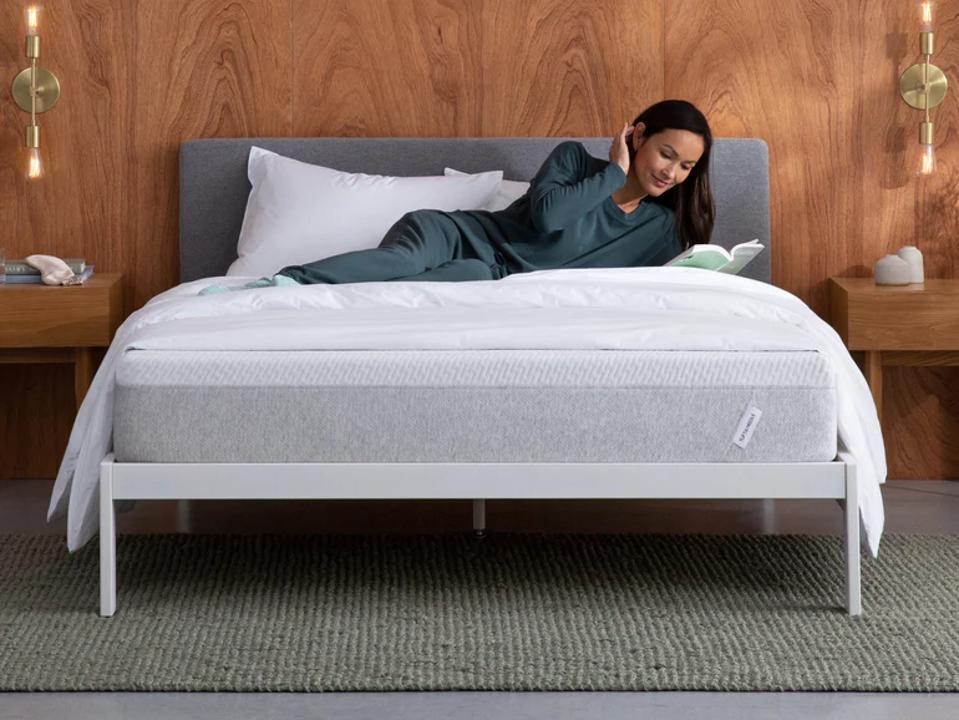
{"x": 214, "y": 186}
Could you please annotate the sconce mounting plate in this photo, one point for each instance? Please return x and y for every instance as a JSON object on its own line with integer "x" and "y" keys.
{"x": 48, "y": 90}
{"x": 910, "y": 86}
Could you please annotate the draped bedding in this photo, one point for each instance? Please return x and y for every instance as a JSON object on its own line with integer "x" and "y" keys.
{"x": 652, "y": 308}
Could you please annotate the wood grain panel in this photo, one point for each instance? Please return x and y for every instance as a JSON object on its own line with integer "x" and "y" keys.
{"x": 80, "y": 207}
{"x": 920, "y": 418}
{"x": 891, "y": 189}
{"x": 787, "y": 73}
{"x": 570, "y": 68}
{"x": 454, "y": 68}
{"x": 42, "y": 316}
{"x": 137, "y": 79}
{"x": 876, "y": 317}
{"x": 400, "y": 68}
{"x": 818, "y": 81}
{"x": 938, "y": 209}
{"x": 37, "y": 414}
{"x": 921, "y": 422}
{"x": 205, "y": 68}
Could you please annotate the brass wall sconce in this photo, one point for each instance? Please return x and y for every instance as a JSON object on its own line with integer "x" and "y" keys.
{"x": 35, "y": 90}
{"x": 923, "y": 86}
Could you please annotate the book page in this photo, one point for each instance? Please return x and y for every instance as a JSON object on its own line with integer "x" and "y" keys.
{"x": 713, "y": 251}
{"x": 716, "y": 257}
{"x": 752, "y": 243}
{"x": 704, "y": 260}
{"x": 741, "y": 259}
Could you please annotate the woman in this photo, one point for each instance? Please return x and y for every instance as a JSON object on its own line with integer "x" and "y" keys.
{"x": 643, "y": 207}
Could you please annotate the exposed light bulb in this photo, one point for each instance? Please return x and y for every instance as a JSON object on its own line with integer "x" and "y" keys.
{"x": 34, "y": 166}
{"x": 927, "y": 160}
{"x": 33, "y": 19}
{"x": 925, "y": 15}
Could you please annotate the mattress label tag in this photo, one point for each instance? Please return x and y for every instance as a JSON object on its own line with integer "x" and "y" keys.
{"x": 747, "y": 423}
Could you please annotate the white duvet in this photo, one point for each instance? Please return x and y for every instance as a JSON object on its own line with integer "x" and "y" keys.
{"x": 660, "y": 308}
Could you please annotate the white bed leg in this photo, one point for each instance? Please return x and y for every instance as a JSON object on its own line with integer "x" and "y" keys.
{"x": 479, "y": 517}
{"x": 853, "y": 580}
{"x": 108, "y": 541}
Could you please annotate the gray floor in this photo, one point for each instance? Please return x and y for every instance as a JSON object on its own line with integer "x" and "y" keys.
{"x": 489, "y": 706}
{"x": 911, "y": 507}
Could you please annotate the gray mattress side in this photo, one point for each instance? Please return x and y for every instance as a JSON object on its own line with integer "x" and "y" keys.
{"x": 640, "y": 420}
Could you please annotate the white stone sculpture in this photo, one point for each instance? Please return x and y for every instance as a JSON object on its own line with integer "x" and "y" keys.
{"x": 892, "y": 270}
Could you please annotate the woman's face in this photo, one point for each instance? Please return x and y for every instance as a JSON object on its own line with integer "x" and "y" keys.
{"x": 665, "y": 159}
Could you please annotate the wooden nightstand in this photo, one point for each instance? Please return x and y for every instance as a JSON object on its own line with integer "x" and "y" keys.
{"x": 60, "y": 324}
{"x": 896, "y": 324}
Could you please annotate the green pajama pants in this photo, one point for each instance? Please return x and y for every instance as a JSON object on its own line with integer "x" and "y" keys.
{"x": 421, "y": 245}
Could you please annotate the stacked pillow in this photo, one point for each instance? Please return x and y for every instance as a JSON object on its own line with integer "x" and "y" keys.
{"x": 298, "y": 212}
{"x": 509, "y": 191}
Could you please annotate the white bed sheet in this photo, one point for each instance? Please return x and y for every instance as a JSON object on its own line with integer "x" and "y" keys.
{"x": 661, "y": 308}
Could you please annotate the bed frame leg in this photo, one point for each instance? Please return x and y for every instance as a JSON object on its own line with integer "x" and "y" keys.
{"x": 108, "y": 541}
{"x": 184, "y": 519}
{"x": 479, "y": 518}
{"x": 853, "y": 579}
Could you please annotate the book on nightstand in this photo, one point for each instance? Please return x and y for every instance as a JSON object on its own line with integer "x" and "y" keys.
{"x": 22, "y": 267}
{"x": 35, "y": 279}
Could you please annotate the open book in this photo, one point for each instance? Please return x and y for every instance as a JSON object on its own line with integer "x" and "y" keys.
{"x": 714, "y": 257}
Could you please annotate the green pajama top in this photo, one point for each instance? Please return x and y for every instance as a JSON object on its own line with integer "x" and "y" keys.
{"x": 568, "y": 219}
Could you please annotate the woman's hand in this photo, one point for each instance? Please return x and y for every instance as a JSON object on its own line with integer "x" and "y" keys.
{"x": 618, "y": 151}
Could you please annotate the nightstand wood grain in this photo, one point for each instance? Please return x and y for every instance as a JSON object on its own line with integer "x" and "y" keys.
{"x": 60, "y": 324}
{"x": 915, "y": 325}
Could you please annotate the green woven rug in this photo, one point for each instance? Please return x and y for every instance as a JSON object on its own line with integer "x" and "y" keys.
{"x": 510, "y": 612}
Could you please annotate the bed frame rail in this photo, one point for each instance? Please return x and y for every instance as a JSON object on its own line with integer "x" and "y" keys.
{"x": 477, "y": 482}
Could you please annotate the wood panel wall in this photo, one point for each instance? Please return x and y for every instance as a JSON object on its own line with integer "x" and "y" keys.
{"x": 815, "y": 78}
{"x": 818, "y": 81}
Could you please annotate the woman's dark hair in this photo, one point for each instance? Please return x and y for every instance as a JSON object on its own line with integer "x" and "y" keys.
{"x": 691, "y": 200}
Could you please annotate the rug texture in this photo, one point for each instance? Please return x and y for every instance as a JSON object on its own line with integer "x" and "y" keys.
{"x": 508, "y": 612}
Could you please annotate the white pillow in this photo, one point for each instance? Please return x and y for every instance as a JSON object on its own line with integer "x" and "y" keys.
{"x": 298, "y": 212}
{"x": 509, "y": 191}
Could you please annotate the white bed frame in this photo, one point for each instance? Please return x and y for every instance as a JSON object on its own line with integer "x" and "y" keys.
{"x": 285, "y": 481}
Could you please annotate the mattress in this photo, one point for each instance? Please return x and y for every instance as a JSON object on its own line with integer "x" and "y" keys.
{"x": 474, "y": 406}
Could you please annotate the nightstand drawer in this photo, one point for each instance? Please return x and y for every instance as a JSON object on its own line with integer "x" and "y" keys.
{"x": 53, "y": 316}
{"x": 906, "y": 317}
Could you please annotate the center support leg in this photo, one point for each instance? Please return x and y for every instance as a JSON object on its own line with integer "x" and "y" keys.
{"x": 479, "y": 518}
